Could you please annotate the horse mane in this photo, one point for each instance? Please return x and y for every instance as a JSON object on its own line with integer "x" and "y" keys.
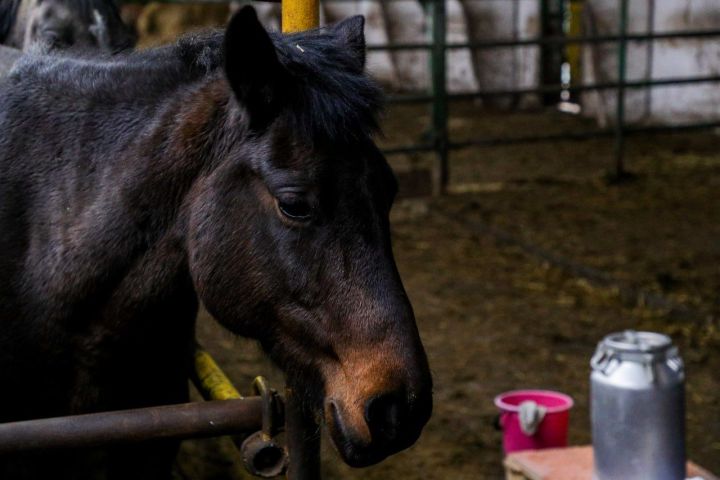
{"x": 8, "y": 14}
{"x": 331, "y": 99}
{"x": 145, "y": 75}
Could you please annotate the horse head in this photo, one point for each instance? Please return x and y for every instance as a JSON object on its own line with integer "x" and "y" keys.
{"x": 289, "y": 235}
{"x": 61, "y": 24}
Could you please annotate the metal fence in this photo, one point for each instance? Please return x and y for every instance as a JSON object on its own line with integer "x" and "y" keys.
{"x": 440, "y": 141}
{"x": 551, "y": 41}
{"x": 254, "y": 423}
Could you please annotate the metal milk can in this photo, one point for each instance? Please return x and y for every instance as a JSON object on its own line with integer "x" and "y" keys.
{"x": 638, "y": 408}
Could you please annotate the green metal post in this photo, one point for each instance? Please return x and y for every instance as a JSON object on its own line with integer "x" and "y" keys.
{"x": 620, "y": 112}
{"x": 551, "y": 56}
{"x": 303, "y": 440}
{"x": 436, "y": 11}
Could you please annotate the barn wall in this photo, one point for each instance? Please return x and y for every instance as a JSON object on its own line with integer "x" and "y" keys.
{"x": 664, "y": 59}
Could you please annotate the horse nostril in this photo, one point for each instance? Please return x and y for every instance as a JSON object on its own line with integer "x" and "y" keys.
{"x": 384, "y": 415}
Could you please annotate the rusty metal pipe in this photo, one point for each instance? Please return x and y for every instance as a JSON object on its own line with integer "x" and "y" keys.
{"x": 188, "y": 420}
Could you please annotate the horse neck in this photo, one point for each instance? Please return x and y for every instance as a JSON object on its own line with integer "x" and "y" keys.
{"x": 130, "y": 235}
{"x": 180, "y": 150}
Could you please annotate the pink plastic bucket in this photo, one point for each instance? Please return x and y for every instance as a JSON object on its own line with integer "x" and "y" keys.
{"x": 553, "y": 429}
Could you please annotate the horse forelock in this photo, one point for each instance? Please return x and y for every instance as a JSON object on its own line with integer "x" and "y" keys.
{"x": 332, "y": 99}
{"x": 329, "y": 99}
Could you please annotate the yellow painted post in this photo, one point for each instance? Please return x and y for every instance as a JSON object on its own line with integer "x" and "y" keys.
{"x": 299, "y": 15}
{"x": 210, "y": 380}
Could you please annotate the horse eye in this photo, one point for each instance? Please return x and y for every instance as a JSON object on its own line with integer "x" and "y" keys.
{"x": 296, "y": 209}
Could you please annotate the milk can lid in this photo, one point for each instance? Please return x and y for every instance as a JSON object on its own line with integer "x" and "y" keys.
{"x": 645, "y": 348}
{"x": 631, "y": 341}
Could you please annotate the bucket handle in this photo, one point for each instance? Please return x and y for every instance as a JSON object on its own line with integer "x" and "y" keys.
{"x": 500, "y": 419}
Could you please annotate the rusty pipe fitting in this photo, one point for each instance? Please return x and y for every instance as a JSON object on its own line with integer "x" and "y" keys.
{"x": 262, "y": 456}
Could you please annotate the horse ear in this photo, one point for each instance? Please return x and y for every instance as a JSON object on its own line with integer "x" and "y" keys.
{"x": 252, "y": 67}
{"x": 350, "y": 34}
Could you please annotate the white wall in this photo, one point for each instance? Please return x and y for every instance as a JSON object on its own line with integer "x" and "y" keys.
{"x": 666, "y": 59}
{"x": 505, "y": 68}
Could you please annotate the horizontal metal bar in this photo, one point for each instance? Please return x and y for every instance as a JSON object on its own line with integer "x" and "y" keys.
{"x": 553, "y": 40}
{"x": 671, "y": 128}
{"x": 492, "y": 142}
{"x": 571, "y": 136}
{"x": 583, "y": 88}
{"x": 410, "y": 98}
{"x": 424, "y": 98}
{"x": 408, "y": 149}
{"x": 188, "y": 420}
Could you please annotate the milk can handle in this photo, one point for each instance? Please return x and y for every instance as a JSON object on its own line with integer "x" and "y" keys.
{"x": 600, "y": 360}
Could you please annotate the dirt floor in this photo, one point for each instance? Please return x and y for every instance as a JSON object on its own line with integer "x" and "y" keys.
{"x": 497, "y": 311}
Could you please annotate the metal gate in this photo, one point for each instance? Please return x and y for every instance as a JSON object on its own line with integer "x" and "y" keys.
{"x": 556, "y": 37}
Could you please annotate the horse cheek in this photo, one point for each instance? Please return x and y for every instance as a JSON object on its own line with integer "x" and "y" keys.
{"x": 225, "y": 272}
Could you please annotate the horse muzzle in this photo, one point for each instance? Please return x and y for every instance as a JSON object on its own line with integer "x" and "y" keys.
{"x": 384, "y": 425}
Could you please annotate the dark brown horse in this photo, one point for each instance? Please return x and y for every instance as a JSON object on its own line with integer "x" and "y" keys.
{"x": 8, "y": 57}
{"x": 236, "y": 169}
